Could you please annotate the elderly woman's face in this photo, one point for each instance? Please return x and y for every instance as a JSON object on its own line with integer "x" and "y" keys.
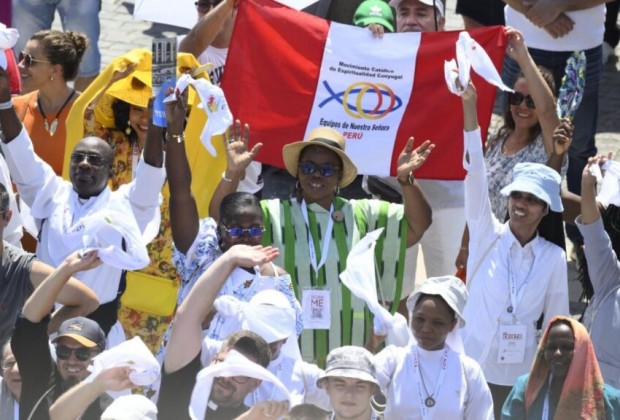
{"x": 319, "y": 173}
{"x": 559, "y": 349}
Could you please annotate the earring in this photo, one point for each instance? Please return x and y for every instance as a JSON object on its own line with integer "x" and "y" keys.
{"x": 298, "y": 186}
{"x": 52, "y": 78}
{"x": 337, "y": 191}
{"x": 128, "y": 129}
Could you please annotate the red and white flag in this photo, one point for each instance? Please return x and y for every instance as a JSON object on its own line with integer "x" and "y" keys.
{"x": 288, "y": 72}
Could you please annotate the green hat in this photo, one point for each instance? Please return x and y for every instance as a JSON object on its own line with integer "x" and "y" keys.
{"x": 374, "y": 11}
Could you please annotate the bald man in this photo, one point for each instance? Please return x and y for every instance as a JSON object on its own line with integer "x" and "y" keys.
{"x": 59, "y": 206}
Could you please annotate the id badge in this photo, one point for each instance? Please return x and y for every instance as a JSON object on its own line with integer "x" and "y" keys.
{"x": 511, "y": 344}
{"x": 316, "y": 307}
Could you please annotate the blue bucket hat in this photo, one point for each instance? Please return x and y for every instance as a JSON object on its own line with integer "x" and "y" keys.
{"x": 539, "y": 180}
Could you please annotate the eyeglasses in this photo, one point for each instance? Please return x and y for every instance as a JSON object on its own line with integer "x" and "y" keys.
{"x": 236, "y": 232}
{"x": 92, "y": 158}
{"x": 517, "y": 98}
{"x": 326, "y": 169}
{"x": 8, "y": 364}
{"x": 205, "y": 6}
{"x": 28, "y": 60}
{"x": 81, "y": 353}
{"x": 529, "y": 198}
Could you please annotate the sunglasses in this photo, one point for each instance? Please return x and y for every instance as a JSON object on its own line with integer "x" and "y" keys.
{"x": 27, "y": 59}
{"x": 237, "y": 232}
{"x": 205, "y": 6}
{"x": 92, "y": 158}
{"x": 327, "y": 169}
{"x": 517, "y": 98}
{"x": 81, "y": 353}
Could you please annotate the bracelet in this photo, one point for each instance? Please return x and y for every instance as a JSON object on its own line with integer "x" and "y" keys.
{"x": 409, "y": 180}
{"x": 464, "y": 248}
{"x": 178, "y": 137}
{"x": 6, "y": 105}
{"x": 226, "y": 179}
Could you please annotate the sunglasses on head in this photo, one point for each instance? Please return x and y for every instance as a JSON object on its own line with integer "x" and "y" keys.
{"x": 326, "y": 169}
{"x": 92, "y": 158}
{"x": 517, "y": 98}
{"x": 205, "y": 6}
{"x": 237, "y": 232}
{"x": 27, "y": 59}
{"x": 81, "y": 353}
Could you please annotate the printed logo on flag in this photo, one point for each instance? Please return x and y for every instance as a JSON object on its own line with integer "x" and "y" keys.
{"x": 371, "y": 101}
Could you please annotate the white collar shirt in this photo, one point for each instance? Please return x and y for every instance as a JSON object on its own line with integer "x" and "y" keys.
{"x": 539, "y": 270}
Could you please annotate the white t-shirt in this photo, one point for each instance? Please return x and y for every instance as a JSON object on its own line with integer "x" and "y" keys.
{"x": 587, "y": 32}
{"x": 464, "y": 393}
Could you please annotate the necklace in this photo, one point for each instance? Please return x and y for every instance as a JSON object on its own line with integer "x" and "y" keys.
{"x": 430, "y": 401}
{"x": 51, "y": 128}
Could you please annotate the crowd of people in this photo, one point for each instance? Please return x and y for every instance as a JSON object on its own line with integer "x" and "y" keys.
{"x": 121, "y": 299}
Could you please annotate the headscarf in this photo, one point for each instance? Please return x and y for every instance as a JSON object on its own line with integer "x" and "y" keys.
{"x": 582, "y": 392}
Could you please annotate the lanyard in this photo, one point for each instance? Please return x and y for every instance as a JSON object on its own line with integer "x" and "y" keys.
{"x": 516, "y": 294}
{"x": 326, "y": 238}
{"x": 427, "y": 404}
{"x": 545, "y": 413}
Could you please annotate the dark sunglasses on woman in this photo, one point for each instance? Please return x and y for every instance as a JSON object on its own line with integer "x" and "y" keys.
{"x": 517, "y": 98}
{"x": 327, "y": 169}
{"x": 205, "y": 6}
{"x": 27, "y": 59}
{"x": 237, "y": 232}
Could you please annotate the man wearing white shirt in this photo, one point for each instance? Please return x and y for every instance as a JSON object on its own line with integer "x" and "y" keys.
{"x": 59, "y": 206}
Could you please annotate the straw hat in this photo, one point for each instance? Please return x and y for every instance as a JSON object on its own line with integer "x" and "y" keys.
{"x": 322, "y": 137}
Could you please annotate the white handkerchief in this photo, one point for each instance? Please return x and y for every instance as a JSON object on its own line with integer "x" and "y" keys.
{"x": 471, "y": 54}
{"x": 213, "y": 103}
{"x": 235, "y": 365}
{"x": 133, "y": 353}
{"x": 8, "y": 37}
{"x": 610, "y": 187}
{"x": 359, "y": 277}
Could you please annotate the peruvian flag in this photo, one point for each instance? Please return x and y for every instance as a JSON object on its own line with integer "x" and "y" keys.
{"x": 288, "y": 72}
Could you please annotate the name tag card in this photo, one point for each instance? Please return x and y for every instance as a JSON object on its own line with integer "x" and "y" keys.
{"x": 316, "y": 307}
{"x": 511, "y": 344}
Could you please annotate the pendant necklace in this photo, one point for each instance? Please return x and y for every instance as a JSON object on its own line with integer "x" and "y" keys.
{"x": 51, "y": 128}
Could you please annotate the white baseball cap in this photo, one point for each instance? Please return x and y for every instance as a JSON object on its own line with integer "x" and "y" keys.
{"x": 437, "y": 3}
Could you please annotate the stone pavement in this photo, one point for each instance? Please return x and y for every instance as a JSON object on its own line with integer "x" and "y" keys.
{"x": 120, "y": 33}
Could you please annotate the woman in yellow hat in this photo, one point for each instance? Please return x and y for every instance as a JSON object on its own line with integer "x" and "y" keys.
{"x": 316, "y": 228}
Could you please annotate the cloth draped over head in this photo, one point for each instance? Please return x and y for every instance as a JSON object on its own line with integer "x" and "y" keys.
{"x": 470, "y": 54}
{"x": 258, "y": 316}
{"x": 235, "y": 364}
{"x": 360, "y": 278}
{"x": 582, "y": 393}
{"x": 145, "y": 369}
{"x": 203, "y": 164}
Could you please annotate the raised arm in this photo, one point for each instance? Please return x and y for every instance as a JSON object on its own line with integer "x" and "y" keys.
{"x": 417, "y": 210}
{"x": 184, "y": 219}
{"x": 539, "y": 90}
{"x": 238, "y": 158}
{"x": 72, "y": 404}
{"x": 9, "y": 121}
{"x": 185, "y": 340}
{"x": 589, "y": 208}
{"x": 42, "y": 299}
{"x": 562, "y": 138}
{"x": 208, "y": 27}
{"x": 77, "y": 298}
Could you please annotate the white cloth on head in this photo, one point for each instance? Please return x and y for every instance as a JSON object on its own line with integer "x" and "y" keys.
{"x": 235, "y": 364}
{"x": 133, "y": 353}
{"x": 214, "y": 104}
{"x": 359, "y": 277}
{"x": 470, "y": 54}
